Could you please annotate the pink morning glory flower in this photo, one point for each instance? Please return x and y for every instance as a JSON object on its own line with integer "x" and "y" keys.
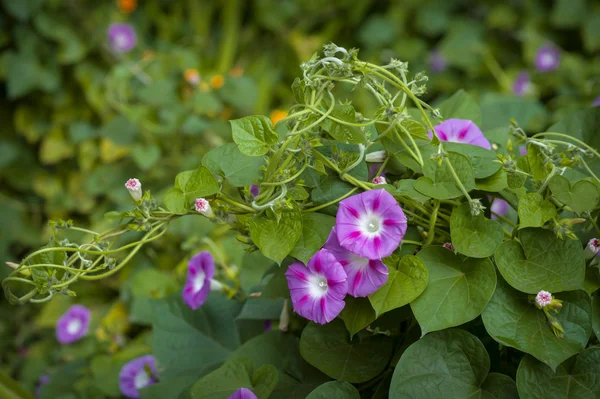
{"x": 201, "y": 269}
{"x": 243, "y": 393}
{"x": 121, "y": 37}
{"x": 73, "y": 324}
{"x": 461, "y": 131}
{"x": 500, "y": 207}
{"x": 547, "y": 58}
{"x": 522, "y": 84}
{"x": 596, "y": 102}
{"x": 365, "y": 276}
{"x": 135, "y": 189}
{"x": 437, "y": 61}
{"x": 44, "y": 379}
{"x": 318, "y": 289}
{"x": 543, "y": 298}
{"x": 137, "y": 374}
{"x": 370, "y": 224}
{"x": 523, "y": 150}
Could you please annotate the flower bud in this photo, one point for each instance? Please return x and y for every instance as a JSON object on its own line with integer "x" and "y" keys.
{"x": 284, "y": 318}
{"x": 215, "y": 285}
{"x": 592, "y": 248}
{"x": 376, "y": 157}
{"x": 201, "y": 205}
{"x": 448, "y": 245}
{"x": 557, "y": 328}
{"x": 135, "y": 189}
{"x": 379, "y": 180}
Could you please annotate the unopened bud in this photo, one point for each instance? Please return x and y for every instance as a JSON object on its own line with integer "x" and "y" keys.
{"x": 215, "y": 285}
{"x": 379, "y": 180}
{"x": 448, "y": 245}
{"x": 376, "y": 157}
{"x": 202, "y": 206}
{"x": 284, "y": 318}
{"x": 592, "y": 248}
{"x": 135, "y": 189}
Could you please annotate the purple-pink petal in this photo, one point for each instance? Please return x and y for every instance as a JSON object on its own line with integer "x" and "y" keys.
{"x": 137, "y": 374}
{"x": 73, "y": 324}
{"x": 201, "y": 269}
{"x": 521, "y": 84}
{"x": 547, "y": 58}
{"x": 371, "y": 224}
{"x": 596, "y": 102}
{"x": 461, "y": 131}
{"x": 255, "y": 190}
{"x": 121, "y": 37}
{"x": 243, "y": 393}
{"x": 365, "y": 276}
{"x": 318, "y": 289}
{"x": 44, "y": 379}
{"x": 437, "y": 61}
{"x": 500, "y": 207}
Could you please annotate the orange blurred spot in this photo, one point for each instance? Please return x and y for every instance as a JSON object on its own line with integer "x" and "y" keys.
{"x": 277, "y": 115}
{"x": 147, "y": 55}
{"x": 217, "y": 81}
{"x": 192, "y": 76}
{"x": 226, "y": 114}
{"x": 127, "y": 6}
{"x": 236, "y": 71}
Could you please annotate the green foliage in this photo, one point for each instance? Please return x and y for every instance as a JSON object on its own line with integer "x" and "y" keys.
{"x": 253, "y": 135}
{"x": 474, "y": 236}
{"x": 276, "y": 236}
{"x": 438, "y": 180}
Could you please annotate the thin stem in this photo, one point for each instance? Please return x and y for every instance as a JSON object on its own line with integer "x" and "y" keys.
{"x": 457, "y": 179}
{"x": 566, "y": 136}
{"x": 335, "y": 201}
{"x": 431, "y": 233}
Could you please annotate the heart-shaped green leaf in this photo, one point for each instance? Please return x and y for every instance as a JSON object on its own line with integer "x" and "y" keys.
{"x": 535, "y": 211}
{"x": 438, "y": 181}
{"x": 315, "y": 230}
{"x": 474, "y": 236}
{"x": 494, "y": 183}
{"x": 357, "y": 314}
{"x": 512, "y": 319}
{"x": 334, "y": 389}
{"x": 541, "y": 261}
{"x": 448, "y": 364}
{"x": 576, "y": 378}
{"x": 276, "y": 235}
{"x": 253, "y": 135}
{"x": 457, "y": 292}
{"x": 407, "y": 279}
{"x": 483, "y": 161}
{"x": 582, "y": 196}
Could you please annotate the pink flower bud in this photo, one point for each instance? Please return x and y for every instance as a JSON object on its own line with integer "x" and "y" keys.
{"x": 448, "y": 245}
{"x": 379, "y": 180}
{"x": 201, "y": 205}
{"x": 135, "y": 189}
{"x": 543, "y": 298}
{"x": 376, "y": 157}
{"x": 592, "y": 248}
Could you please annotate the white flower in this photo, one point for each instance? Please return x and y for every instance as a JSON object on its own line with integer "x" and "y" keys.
{"x": 201, "y": 205}
{"x": 135, "y": 189}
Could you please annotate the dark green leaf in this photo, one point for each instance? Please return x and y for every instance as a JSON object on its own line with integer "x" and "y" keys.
{"x": 334, "y": 389}
{"x": 438, "y": 181}
{"x": 535, "y": 211}
{"x": 315, "y": 230}
{"x": 474, "y": 236}
{"x": 357, "y": 314}
{"x": 238, "y": 169}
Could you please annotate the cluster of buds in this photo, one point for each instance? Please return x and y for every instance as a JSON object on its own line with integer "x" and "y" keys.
{"x": 476, "y": 206}
{"x": 546, "y": 302}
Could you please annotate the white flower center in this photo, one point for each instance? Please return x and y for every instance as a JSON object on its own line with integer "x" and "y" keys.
{"x": 121, "y": 41}
{"x": 547, "y": 59}
{"x": 199, "y": 281}
{"x": 318, "y": 286}
{"x": 371, "y": 224}
{"x": 74, "y": 326}
{"x": 141, "y": 380}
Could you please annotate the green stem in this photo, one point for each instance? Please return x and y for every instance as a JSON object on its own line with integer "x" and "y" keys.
{"x": 232, "y": 12}
{"x": 566, "y": 136}
{"x": 431, "y": 233}
{"x": 335, "y": 201}
{"x": 458, "y": 182}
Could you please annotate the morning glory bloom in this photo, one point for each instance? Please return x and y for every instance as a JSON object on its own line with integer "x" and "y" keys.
{"x": 500, "y": 207}
{"x": 135, "y": 189}
{"x": 543, "y": 298}
{"x": 137, "y": 374}
{"x": 318, "y": 289}
{"x": 461, "y": 131}
{"x": 523, "y": 150}
{"x": 73, "y": 324}
{"x": 121, "y": 37}
{"x": 365, "y": 276}
{"x": 243, "y": 393}
{"x": 437, "y": 61}
{"x": 370, "y": 224}
{"x": 522, "y": 84}
{"x": 547, "y": 58}
{"x": 201, "y": 269}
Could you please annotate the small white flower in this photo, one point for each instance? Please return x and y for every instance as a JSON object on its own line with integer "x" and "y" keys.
{"x": 376, "y": 157}
{"x": 201, "y": 205}
{"x": 135, "y": 189}
{"x": 543, "y": 298}
{"x": 379, "y": 180}
{"x": 592, "y": 248}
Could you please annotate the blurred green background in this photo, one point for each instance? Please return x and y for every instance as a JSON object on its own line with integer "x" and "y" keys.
{"x": 79, "y": 119}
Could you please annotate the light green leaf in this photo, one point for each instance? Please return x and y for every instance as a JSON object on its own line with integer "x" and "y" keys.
{"x": 196, "y": 183}
{"x": 340, "y": 132}
{"x": 334, "y": 389}
{"x": 357, "y": 314}
{"x": 494, "y": 183}
{"x": 577, "y": 378}
{"x": 175, "y": 201}
{"x": 438, "y": 181}
{"x": 253, "y": 135}
{"x": 512, "y": 319}
{"x": 474, "y": 236}
{"x": 483, "y": 161}
{"x": 534, "y": 211}
{"x": 537, "y": 166}
{"x": 541, "y": 261}
{"x": 414, "y": 128}
{"x": 329, "y": 348}
{"x": 582, "y": 196}
{"x": 315, "y": 230}
{"x": 461, "y": 106}
{"x": 448, "y": 364}
{"x": 276, "y": 238}
{"x": 238, "y": 169}
{"x": 458, "y": 289}
{"x": 407, "y": 279}
{"x": 406, "y": 187}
